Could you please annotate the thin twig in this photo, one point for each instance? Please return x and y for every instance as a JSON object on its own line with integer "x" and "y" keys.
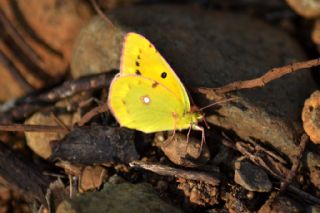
{"x": 276, "y": 169}
{"x": 101, "y": 13}
{"x": 31, "y": 128}
{"x": 295, "y": 164}
{"x": 271, "y": 75}
{"x": 23, "y": 107}
{"x": 306, "y": 196}
{"x": 262, "y": 159}
{"x": 93, "y": 112}
{"x": 178, "y": 173}
{"x": 60, "y": 122}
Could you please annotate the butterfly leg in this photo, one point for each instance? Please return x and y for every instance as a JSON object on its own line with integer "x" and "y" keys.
{"x": 174, "y": 130}
{"x": 203, "y": 138}
{"x": 188, "y": 136}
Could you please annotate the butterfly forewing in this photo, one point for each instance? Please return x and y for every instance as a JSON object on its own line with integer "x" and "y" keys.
{"x": 140, "y": 57}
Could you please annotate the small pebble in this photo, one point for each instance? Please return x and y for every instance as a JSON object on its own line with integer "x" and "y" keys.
{"x": 251, "y": 177}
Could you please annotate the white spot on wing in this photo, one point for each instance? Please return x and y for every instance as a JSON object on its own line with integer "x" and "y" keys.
{"x": 146, "y": 99}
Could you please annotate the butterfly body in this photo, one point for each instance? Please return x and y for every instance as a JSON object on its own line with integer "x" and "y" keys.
{"x": 147, "y": 95}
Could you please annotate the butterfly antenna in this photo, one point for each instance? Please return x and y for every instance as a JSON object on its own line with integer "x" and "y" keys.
{"x": 219, "y": 102}
{"x": 205, "y": 122}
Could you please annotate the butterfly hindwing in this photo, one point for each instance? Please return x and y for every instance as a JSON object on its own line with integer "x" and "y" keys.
{"x": 146, "y": 105}
{"x": 140, "y": 57}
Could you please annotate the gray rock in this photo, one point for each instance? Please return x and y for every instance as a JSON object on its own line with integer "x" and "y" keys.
{"x": 208, "y": 48}
{"x": 251, "y": 177}
{"x": 123, "y": 197}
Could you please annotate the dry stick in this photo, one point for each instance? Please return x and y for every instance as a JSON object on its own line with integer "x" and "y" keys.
{"x": 290, "y": 175}
{"x": 271, "y": 75}
{"x": 95, "y": 111}
{"x": 295, "y": 164}
{"x": 31, "y": 128}
{"x": 178, "y": 173}
{"x": 259, "y": 161}
{"x": 60, "y": 122}
{"x": 30, "y": 104}
{"x": 19, "y": 40}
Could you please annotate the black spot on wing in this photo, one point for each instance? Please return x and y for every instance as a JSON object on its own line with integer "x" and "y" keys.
{"x": 138, "y": 57}
{"x": 138, "y": 72}
{"x": 163, "y": 75}
{"x": 137, "y": 64}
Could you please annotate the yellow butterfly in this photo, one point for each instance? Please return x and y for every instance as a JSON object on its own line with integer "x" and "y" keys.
{"x": 147, "y": 95}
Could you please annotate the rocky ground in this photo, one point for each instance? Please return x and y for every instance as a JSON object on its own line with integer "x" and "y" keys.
{"x": 61, "y": 149}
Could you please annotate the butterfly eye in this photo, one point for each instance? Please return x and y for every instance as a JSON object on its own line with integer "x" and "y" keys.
{"x": 163, "y": 75}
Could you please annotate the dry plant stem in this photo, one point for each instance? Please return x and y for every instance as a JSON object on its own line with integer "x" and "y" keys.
{"x": 295, "y": 164}
{"x": 95, "y": 111}
{"x": 15, "y": 73}
{"x": 70, "y": 88}
{"x": 271, "y": 75}
{"x": 22, "y": 174}
{"x": 100, "y": 12}
{"x": 276, "y": 169}
{"x": 291, "y": 174}
{"x": 14, "y": 34}
{"x": 60, "y": 122}
{"x": 263, "y": 159}
{"x": 306, "y": 196}
{"x": 32, "y": 128}
{"x": 30, "y": 104}
{"x": 178, "y": 173}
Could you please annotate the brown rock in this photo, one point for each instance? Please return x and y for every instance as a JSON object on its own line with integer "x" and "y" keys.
{"x": 57, "y": 24}
{"x": 49, "y": 28}
{"x": 315, "y": 177}
{"x": 234, "y": 204}
{"x": 281, "y": 204}
{"x": 311, "y": 117}
{"x": 199, "y": 193}
{"x": 306, "y": 8}
{"x": 39, "y": 142}
{"x": 185, "y": 153}
{"x": 316, "y": 32}
{"x": 92, "y": 177}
